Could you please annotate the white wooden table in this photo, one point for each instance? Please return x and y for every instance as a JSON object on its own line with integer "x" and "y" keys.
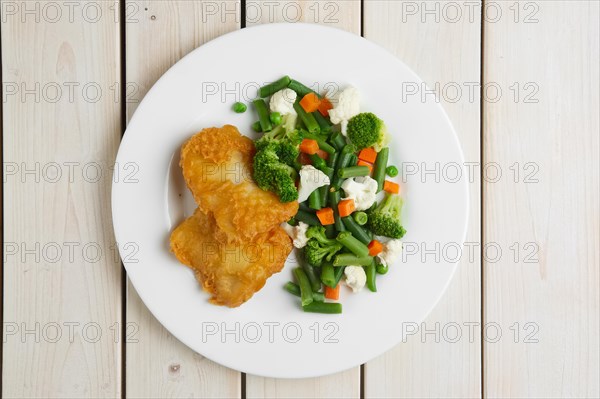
{"x": 520, "y": 82}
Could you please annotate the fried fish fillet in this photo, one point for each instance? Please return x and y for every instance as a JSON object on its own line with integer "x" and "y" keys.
{"x": 217, "y": 167}
{"x": 230, "y": 272}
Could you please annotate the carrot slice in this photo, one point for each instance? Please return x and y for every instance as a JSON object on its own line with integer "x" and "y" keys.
{"x": 309, "y": 146}
{"x": 375, "y": 247}
{"x": 368, "y": 155}
{"x": 324, "y": 106}
{"x": 323, "y": 154}
{"x": 346, "y": 207}
{"x": 391, "y": 187}
{"x": 332, "y": 293}
{"x": 310, "y": 102}
{"x": 363, "y": 163}
{"x": 325, "y": 216}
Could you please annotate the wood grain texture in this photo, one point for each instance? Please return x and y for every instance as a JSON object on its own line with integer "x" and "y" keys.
{"x": 446, "y": 55}
{"x": 158, "y": 34}
{"x": 62, "y": 295}
{"x": 552, "y": 205}
{"x": 343, "y": 15}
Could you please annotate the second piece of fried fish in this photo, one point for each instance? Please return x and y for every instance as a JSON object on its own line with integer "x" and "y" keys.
{"x": 230, "y": 272}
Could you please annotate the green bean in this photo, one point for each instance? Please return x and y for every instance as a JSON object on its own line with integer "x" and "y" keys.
{"x": 275, "y": 118}
{"x": 304, "y": 284}
{"x": 353, "y": 171}
{"x": 308, "y": 119}
{"x": 354, "y": 161}
{"x": 304, "y": 207}
{"x": 356, "y": 230}
{"x": 360, "y": 218}
{"x": 343, "y": 161}
{"x": 239, "y": 107}
{"x": 391, "y": 171}
{"x": 313, "y": 276}
{"x": 345, "y": 156}
{"x": 352, "y": 260}
{"x": 333, "y": 199}
{"x": 263, "y": 114}
{"x": 256, "y": 127}
{"x": 293, "y": 289}
{"x": 332, "y": 160}
{"x": 309, "y": 218}
{"x": 300, "y": 89}
{"x": 272, "y": 88}
{"x": 327, "y": 274}
{"x": 324, "y": 190}
{"x": 317, "y": 161}
{"x": 337, "y": 140}
{"x": 330, "y": 231}
{"x": 356, "y": 246}
{"x": 324, "y": 124}
{"x": 371, "y": 276}
{"x": 314, "y": 200}
{"x": 339, "y": 273}
{"x": 379, "y": 167}
{"x": 323, "y": 307}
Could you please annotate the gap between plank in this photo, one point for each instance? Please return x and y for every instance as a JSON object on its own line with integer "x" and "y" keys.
{"x": 361, "y": 382}
{"x": 123, "y": 110}
{"x": 481, "y": 196}
{"x": 242, "y": 26}
{"x": 2, "y": 212}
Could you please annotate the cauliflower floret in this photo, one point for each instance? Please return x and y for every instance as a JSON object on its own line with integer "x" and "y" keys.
{"x": 391, "y": 251}
{"x": 363, "y": 190}
{"x": 311, "y": 178}
{"x": 356, "y": 278}
{"x": 297, "y": 233}
{"x": 283, "y": 102}
{"x": 346, "y": 106}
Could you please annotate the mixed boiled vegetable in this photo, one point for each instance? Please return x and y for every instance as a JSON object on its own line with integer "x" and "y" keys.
{"x": 332, "y": 159}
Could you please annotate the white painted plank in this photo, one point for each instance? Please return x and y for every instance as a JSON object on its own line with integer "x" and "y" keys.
{"x": 158, "y": 34}
{"x": 61, "y": 126}
{"x": 444, "y": 50}
{"x": 547, "y": 53}
{"x": 344, "y": 15}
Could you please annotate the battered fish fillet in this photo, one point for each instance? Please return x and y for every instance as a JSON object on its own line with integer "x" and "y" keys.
{"x": 217, "y": 167}
{"x": 231, "y": 273}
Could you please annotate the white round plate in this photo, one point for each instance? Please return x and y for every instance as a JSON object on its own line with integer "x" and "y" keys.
{"x": 270, "y": 335}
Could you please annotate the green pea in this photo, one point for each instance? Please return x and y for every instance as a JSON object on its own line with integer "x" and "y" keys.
{"x": 381, "y": 268}
{"x": 256, "y": 127}
{"x": 239, "y": 107}
{"x": 391, "y": 171}
{"x": 275, "y": 118}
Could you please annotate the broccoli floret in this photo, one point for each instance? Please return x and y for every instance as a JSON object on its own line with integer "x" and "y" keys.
{"x": 271, "y": 174}
{"x": 315, "y": 252}
{"x": 366, "y": 130}
{"x": 284, "y": 142}
{"x": 288, "y": 152}
{"x": 276, "y": 157}
{"x": 318, "y": 233}
{"x": 385, "y": 219}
